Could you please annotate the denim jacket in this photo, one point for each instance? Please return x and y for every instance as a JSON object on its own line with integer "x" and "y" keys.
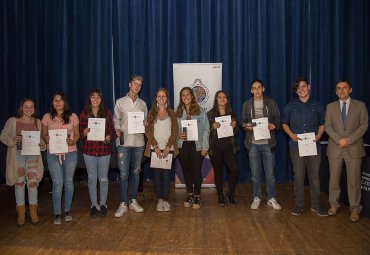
{"x": 203, "y": 129}
{"x": 270, "y": 110}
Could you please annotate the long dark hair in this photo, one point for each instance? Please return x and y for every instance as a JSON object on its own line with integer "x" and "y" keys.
{"x": 66, "y": 110}
{"x": 19, "y": 113}
{"x": 194, "y": 106}
{"x": 152, "y": 116}
{"x": 227, "y": 106}
{"x": 102, "y": 112}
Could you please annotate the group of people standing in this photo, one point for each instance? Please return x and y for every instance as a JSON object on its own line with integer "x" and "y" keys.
{"x": 345, "y": 122}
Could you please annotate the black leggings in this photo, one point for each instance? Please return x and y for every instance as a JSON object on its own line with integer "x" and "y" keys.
{"x": 191, "y": 163}
{"x": 223, "y": 153}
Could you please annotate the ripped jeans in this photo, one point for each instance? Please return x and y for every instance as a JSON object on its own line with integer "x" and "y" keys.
{"x": 97, "y": 168}
{"x": 27, "y": 175}
{"x": 129, "y": 163}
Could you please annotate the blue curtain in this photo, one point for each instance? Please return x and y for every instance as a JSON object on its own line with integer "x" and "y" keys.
{"x": 50, "y": 45}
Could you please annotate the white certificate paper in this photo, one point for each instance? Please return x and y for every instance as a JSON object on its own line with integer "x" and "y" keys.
{"x": 97, "y": 129}
{"x": 261, "y": 129}
{"x": 191, "y": 129}
{"x": 30, "y": 143}
{"x": 307, "y": 144}
{"x": 58, "y": 141}
{"x": 225, "y": 130}
{"x": 136, "y": 122}
{"x": 163, "y": 163}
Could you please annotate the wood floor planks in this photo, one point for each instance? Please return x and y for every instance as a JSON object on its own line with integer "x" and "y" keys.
{"x": 210, "y": 230}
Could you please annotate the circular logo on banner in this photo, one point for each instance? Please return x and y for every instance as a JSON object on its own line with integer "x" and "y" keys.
{"x": 200, "y": 91}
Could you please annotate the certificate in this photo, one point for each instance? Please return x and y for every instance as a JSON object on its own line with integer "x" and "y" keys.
{"x": 58, "y": 141}
{"x": 261, "y": 129}
{"x": 136, "y": 122}
{"x": 191, "y": 127}
{"x": 97, "y": 129}
{"x": 163, "y": 163}
{"x": 30, "y": 143}
{"x": 307, "y": 144}
{"x": 225, "y": 130}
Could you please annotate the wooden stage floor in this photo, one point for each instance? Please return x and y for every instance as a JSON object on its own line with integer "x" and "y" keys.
{"x": 210, "y": 230}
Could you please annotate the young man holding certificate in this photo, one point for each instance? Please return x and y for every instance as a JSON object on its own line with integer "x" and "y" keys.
{"x": 129, "y": 114}
{"x": 260, "y": 120}
{"x": 161, "y": 147}
{"x": 303, "y": 116}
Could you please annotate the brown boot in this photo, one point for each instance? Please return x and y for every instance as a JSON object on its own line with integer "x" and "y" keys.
{"x": 33, "y": 213}
{"x": 21, "y": 209}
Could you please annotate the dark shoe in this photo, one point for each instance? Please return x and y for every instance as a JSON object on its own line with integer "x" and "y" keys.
{"x": 103, "y": 211}
{"x": 94, "y": 211}
{"x": 320, "y": 212}
{"x": 221, "y": 200}
{"x": 332, "y": 211}
{"x": 67, "y": 216}
{"x": 197, "y": 202}
{"x": 189, "y": 200}
{"x": 296, "y": 211}
{"x": 57, "y": 220}
{"x": 230, "y": 198}
{"x": 355, "y": 217}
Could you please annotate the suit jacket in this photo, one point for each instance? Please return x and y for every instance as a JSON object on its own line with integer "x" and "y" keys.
{"x": 355, "y": 127}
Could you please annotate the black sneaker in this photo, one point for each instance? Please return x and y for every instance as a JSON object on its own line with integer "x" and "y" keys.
{"x": 57, "y": 219}
{"x": 296, "y": 211}
{"x": 94, "y": 211}
{"x": 221, "y": 200}
{"x": 197, "y": 202}
{"x": 320, "y": 212}
{"x": 189, "y": 200}
{"x": 230, "y": 198}
{"x": 103, "y": 211}
{"x": 67, "y": 216}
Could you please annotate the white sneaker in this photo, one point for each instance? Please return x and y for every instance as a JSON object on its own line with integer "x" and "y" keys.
{"x": 272, "y": 202}
{"x": 121, "y": 210}
{"x": 256, "y": 203}
{"x": 166, "y": 206}
{"x": 160, "y": 205}
{"x": 134, "y": 205}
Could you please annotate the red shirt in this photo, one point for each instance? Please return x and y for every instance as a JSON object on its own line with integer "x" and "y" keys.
{"x": 97, "y": 148}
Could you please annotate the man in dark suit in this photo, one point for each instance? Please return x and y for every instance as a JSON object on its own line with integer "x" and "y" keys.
{"x": 346, "y": 122}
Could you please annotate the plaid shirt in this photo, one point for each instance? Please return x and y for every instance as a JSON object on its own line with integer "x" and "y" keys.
{"x": 96, "y": 148}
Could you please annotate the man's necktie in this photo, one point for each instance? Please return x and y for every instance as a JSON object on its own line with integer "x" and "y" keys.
{"x": 344, "y": 112}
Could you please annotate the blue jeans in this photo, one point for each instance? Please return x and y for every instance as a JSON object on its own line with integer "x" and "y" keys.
{"x": 129, "y": 161}
{"x": 300, "y": 164}
{"x": 162, "y": 181}
{"x": 97, "y": 167}
{"x": 27, "y": 169}
{"x": 62, "y": 174}
{"x": 258, "y": 153}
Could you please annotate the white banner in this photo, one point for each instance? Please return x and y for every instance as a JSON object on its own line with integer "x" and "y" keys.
{"x": 205, "y": 79}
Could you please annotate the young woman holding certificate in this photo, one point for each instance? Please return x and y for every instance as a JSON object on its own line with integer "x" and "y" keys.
{"x": 96, "y": 131}
{"x": 223, "y": 146}
{"x": 24, "y": 169}
{"x": 60, "y": 131}
{"x": 193, "y": 144}
{"x": 161, "y": 132}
